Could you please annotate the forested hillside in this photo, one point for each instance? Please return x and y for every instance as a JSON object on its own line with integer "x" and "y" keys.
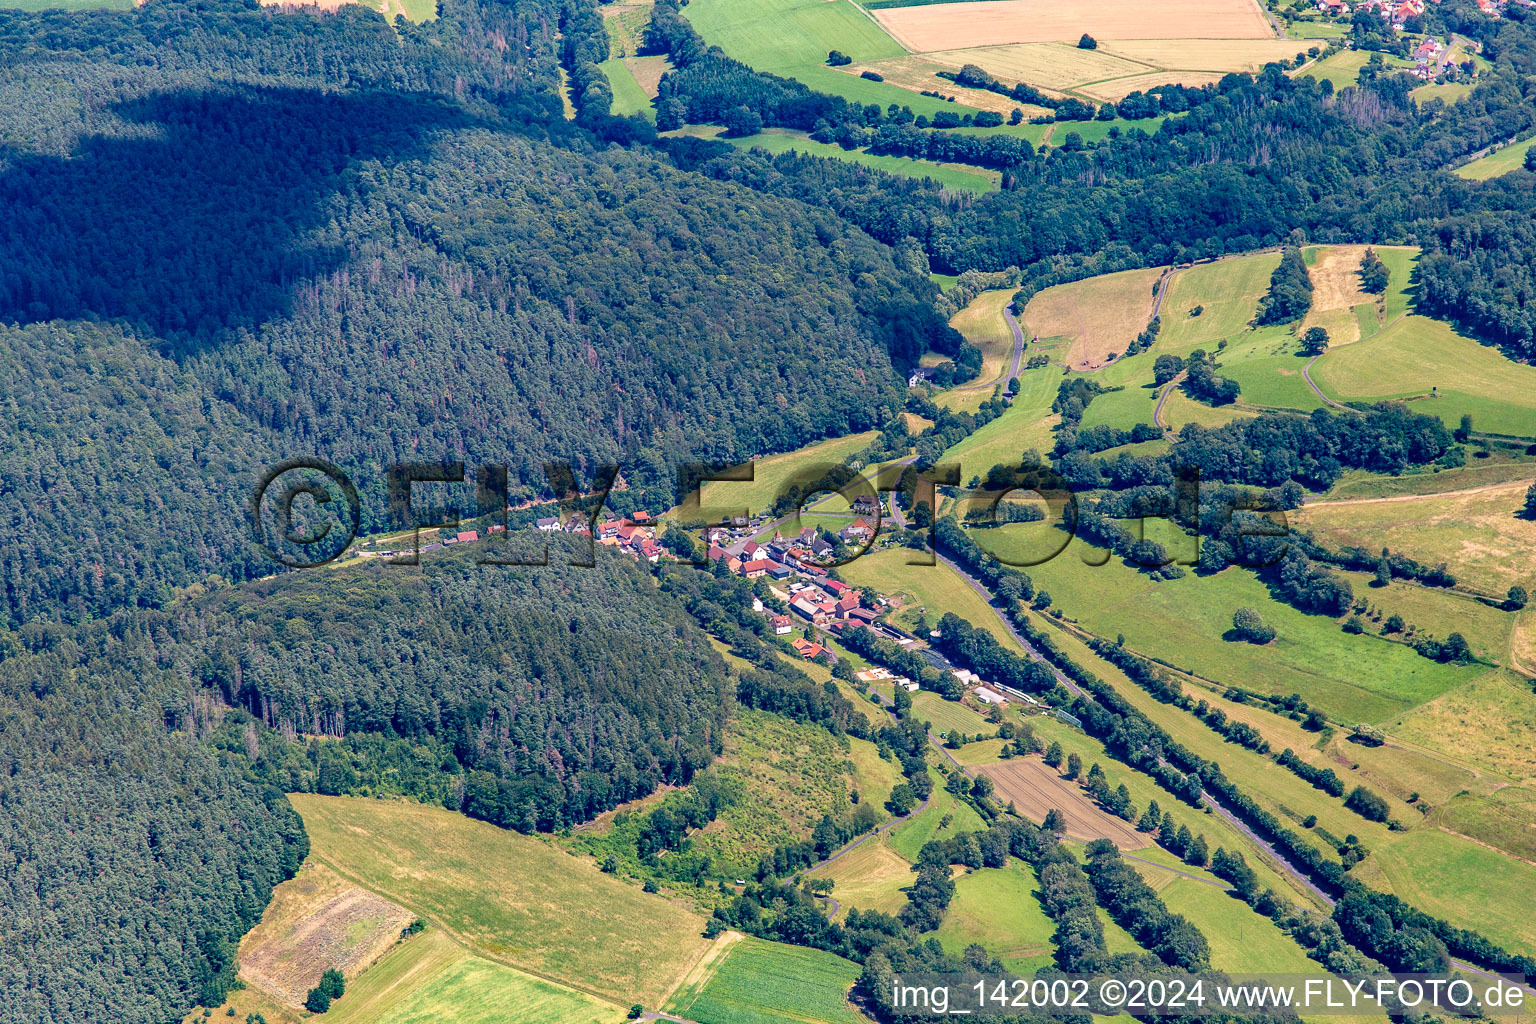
{"x": 230, "y": 235}
{"x": 375, "y": 275}
{"x": 132, "y": 858}
{"x": 233, "y": 235}
{"x": 556, "y": 693}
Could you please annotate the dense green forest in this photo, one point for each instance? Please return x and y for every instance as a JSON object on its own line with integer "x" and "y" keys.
{"x": 430, "y": 264}
{"x": 233, "y": 235}
{"x": 542, "y": 696}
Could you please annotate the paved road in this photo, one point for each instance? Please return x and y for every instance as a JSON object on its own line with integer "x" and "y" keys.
{"x": 1206, "y": 798}
{"x": 1029, "y": 648}
{"x": 1018, "y": 341}
{"x": 1013, "y": 370}
{"x": 1306, "y": 375}
{"x": 1162, "y": 400}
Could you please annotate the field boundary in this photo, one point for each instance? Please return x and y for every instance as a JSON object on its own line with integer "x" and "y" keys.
{"x": 464, "y": 942}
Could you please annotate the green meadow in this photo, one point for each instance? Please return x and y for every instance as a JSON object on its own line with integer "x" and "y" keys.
{"x": 997, "y": 908}
{"x": 1183, "y": 621}
{"x": 957, "y": 177}
{"x": 791, "y": 38}
{"x": 628, "y": 97}
{"x": 476, "y": 991}
{"x": 1026, "y": 424}
{"x": 1416, "y": 357}
{"x": 943, "y": 818}
{"x": 506, "y": 896}
{"x": 1457, "y": 880}
{"x": 1499, "y": 162}
{"x": 762, "y": 982}
{"x": 773, "y": 474}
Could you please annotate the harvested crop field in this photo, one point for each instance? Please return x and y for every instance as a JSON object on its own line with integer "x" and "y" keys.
{"x": 918, "y": 74}
{"x": 1043, "y": 65}
{"x": 1205, "y": 54}
{"x": 1035, "y": 788}
{"x": 1101, "y": 315}
{"x": 989, "y": 22}
{"x": 1117, "y": 89}
{"x": 317, "y": 920}
{"x": 1336, "y": 278}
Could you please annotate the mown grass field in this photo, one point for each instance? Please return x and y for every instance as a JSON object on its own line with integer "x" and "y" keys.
{"x": 1458, "y": 881}
{"x": 1118, "y": 66}
{"x": 317, "y": 921}
{"x": 1448, "y": 92}
{"x": 944, "y": 818}
{"x": 946, "y": 716}
{"x": 1288, "y": 796}
{"x": 1505, "y": 818}
{"x": 1101, "y": 315}
{"x": 1354, "y": 678}
{"x": 1490, "y": 722}
{"x": 1227, "y": 292}
{"x": 1414, "y": 356}
{"x": 1497, "y": 163}
{"x": 958, "y": 177}
{"x": 773, "y": 473}
{"x": 1498, "y": 469}
{"x": 872, "y": 876}
{"x": 792, "y": 38}
{"x": 628, "y": 96}
{"x": 513, "y": 898}
{"x": 760, "y": 982}
{"x": 954, "y": 26}
{"x": 1025, "y": 425}
{"x": 997, "y": 908}
{"x": 936, "y": 588}
{"x": 475, "y": 991}
{"x": 1240, "y": 939}
{"x": 983, "y": 325}
{"x": 1343, "y": 68}
{"x": 1477, "y": 533}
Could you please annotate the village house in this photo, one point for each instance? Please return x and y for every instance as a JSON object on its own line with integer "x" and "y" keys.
{"x": 858, "y": 530}
{"x": 807, "y": 608}
{"x": 757, "y": 567}
{"x": 782, "y": 625}
{"x": 550, "y": 525}
{"x": 807, "y": 649}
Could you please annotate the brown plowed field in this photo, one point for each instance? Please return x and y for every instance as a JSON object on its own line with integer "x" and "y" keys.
{"x": 1034, "y": 788}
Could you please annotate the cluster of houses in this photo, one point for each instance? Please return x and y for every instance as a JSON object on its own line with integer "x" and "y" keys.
{"x": 635, "y": 534}
{"x": 1397, "y": 13}
{"x": 784, "y": 557}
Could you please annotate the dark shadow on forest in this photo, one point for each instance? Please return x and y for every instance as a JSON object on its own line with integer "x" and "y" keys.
{"x": 203, "y": 223}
